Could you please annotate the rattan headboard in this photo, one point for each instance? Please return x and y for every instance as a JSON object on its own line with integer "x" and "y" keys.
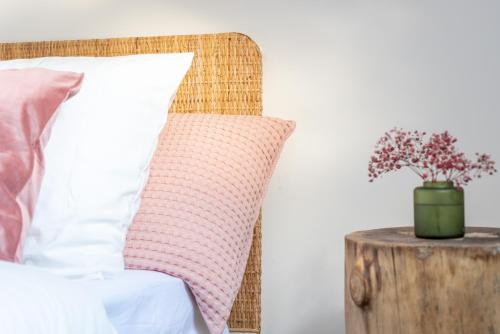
{"x": 225, "y": 78}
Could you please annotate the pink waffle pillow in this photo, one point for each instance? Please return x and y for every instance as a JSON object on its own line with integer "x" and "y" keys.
{"x": 29, "y": 100}
{"x": 198, "y": 211}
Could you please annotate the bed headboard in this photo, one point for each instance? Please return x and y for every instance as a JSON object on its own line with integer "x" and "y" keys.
{"x": 225, "y": 78}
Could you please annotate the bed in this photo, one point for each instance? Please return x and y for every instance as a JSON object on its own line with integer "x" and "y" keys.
{"x": 225, "y": 78}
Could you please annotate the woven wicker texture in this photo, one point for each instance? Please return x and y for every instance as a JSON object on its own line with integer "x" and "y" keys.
{"x": 207, "y": 181}
{"x": 225, "y": 78}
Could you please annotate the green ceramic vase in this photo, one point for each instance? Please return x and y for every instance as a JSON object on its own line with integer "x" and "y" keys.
{"x": 438, "y": 211}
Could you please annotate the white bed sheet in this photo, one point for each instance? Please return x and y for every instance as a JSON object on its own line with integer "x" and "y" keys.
{"x": 35, "y": 302}
{"x": 148, "y": 302}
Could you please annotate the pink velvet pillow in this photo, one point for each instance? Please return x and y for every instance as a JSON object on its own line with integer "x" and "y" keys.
{"x": 28, "y": 101}
{"x": 206, "y": 185}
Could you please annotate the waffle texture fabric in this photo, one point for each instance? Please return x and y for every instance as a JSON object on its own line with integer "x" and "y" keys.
{"x": 207, "y": 181}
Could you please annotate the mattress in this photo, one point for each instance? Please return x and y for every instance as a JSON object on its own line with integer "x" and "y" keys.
{"x": 148, "y": 302}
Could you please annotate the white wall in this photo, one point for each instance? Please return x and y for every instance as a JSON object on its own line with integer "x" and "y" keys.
{"x": 345, "y": 71}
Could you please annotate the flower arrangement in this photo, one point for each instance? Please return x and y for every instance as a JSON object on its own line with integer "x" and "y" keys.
{"x": 433, "y": 159}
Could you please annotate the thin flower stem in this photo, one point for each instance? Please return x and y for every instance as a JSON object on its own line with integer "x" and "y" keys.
{"x": 431, "y": 160}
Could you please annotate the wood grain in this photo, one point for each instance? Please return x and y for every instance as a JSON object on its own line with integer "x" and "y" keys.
{"x": 396, "y": 283}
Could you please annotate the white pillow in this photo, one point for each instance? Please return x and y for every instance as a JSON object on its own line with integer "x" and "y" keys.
{"x": 97, "y": 159}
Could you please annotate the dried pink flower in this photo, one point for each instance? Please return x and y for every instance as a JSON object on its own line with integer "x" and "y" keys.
{"x": 432, "y": 159}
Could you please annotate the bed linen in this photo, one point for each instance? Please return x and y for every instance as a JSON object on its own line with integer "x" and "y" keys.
{"x": 148, "y": 302}
{"x": 207, "y": 181}
{"x": 29, "y": 100}
{"x": 96, "y": 162}
{"x": 36, "y": 302}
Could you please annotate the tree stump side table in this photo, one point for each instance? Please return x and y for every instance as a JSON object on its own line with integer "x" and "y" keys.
{"x": 398, "y": 284}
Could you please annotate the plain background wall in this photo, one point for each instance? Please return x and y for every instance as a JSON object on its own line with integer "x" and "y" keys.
{"x": 346, "y": 71}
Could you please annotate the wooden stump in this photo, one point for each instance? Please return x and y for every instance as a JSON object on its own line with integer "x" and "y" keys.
{"x": 396, "y": 283}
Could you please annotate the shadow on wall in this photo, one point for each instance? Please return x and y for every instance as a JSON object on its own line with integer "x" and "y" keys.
{"x": 322, "y": 324}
